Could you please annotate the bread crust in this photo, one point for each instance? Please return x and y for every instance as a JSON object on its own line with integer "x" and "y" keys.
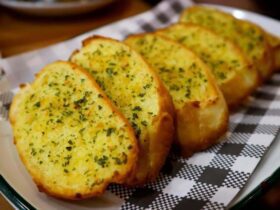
{"x": 194, "y": 132}
{"x": 264, "y": 63}
{"x": 159, "y": 140}
{"x": 201, "y": 126}
{"x": 244, "y": 81}
{"x": 276, "y": 52}
{"x": 155, "y": 146}
{"x": 71, "y": 192}
{"x": 194, "y": 128}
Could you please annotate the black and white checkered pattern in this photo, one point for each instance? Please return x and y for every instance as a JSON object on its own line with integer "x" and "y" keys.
{"x": 209, "y": 179}
{"x": 202, "y": 191}
{"x": 165, "y": 201}
{"x": 160, "y": 183}
{"x": 121, "y": 192}
{"x": 213, "y": 205}
{"x": 190, "y": 172}
{"x": 223, "y": 161}
{"x": 236, "y": 179}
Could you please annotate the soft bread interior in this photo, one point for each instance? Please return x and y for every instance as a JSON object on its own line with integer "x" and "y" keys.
{"x": 138, "y": 93}
{"x": 70, "y": 137}
{"x": 248, "y": 36}
{"x": 226, "y": 61}
{"x": 202, "y": 114}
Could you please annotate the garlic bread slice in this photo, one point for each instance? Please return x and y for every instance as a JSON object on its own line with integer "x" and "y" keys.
{"x": 248, "y": 36}
{"x": 233, "y": 72}
{"x": 201, "y": 111}
{"x": 70, "y": 137}
{"x": 138, "y": 93}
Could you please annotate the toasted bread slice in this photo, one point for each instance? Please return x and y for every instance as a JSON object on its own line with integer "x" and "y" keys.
{"x": 201, "y": 111}
{"x": 70, "y": 137}
{"x": 248, "y": 36}
{"x": 233, "y": 72}
{"x": 138, "y": 93}
{"x": 274, "y": 42}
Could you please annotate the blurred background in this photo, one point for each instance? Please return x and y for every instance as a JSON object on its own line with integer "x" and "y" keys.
{"x": 20, "y": 32}
{"x": 31, "y": 24}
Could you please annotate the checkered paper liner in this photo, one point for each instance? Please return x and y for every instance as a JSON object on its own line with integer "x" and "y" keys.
{"x": 207, "y": 180}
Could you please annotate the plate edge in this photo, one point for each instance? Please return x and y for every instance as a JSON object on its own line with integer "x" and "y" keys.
{"x": 13, "y": 197}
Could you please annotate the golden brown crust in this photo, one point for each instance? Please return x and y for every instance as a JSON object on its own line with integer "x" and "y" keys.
{"x": 199, "y": 128}
{"x": 266, "y": 63}
{"x": 71, "y": 192}
{"x": 196, "y": 124}
{"x": 154, "y": 147}
{"x": 159, "y": 141}
{"x": 274, "y": 43}
{"x": 241, "y": 94}
{"x": 199, "y": 124}
{"x": 276, "y": 52}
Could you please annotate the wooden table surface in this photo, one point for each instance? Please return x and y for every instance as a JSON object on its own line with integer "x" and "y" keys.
{"x": 20, "y": 33}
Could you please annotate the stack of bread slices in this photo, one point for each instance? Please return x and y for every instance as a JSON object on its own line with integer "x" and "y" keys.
{"x": 113, "y": 111}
